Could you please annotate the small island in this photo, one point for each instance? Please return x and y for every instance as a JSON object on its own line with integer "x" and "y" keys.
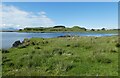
{"x": 67, "y": 29}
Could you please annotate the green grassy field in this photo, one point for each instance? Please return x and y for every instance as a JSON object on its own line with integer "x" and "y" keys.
{"x": 68, "y": 56}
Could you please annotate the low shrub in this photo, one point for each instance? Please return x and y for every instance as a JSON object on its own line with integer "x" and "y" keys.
{"x": 99, "y": 57}
{"x": 4, "y": 57}
{"x": 10, "y": 64}
{"x": 33, "y": 52}
{"x": 5, "y": 51}
{"x": 33, "y": 43}
{"x": 26, "y": 40}
{"x": 37, "y": 47}
{"x": 104, "y": 60}
{"x": 44, "y": 42}
{"x": 58, "y": 51}
{"x": 22, "y": 46}
{"x": 75, "y": 45}
{"x": 47, "y": 54}
{"x": 68, "y": 45}
{"x": 113, "y": 50}
{"x": 66, "y": 67}
{"x": 117, "y": 45}
{"x": 88, "y": 47}
{"x": 69, "y": 67}
{"x": 77, "y": 59}
{"x": 6, "y": 60}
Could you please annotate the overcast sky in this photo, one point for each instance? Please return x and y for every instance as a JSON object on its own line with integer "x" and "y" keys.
{"x": 36, "y": 14}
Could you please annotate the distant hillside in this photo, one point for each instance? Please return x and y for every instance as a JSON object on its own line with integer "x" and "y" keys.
{"x": 10, "y": 29}
{"x": 53, "y": 29}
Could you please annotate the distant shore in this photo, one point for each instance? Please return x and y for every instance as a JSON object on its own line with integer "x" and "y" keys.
{"x": 62, "y": 29}
{"x": 96, "y": 31}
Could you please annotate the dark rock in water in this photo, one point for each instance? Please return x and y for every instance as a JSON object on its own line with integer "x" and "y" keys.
{"x": 65, "y": 36}
{"x": 42, "y": 32}
{"x": 17, "y": 43}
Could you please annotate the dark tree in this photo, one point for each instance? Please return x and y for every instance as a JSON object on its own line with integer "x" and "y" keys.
{"x": 59, "y": 26}
{"x": 92, "y": 29}
{"x": 103, "y": 29}
{"x": 20, "y": 29}
{"x": 83, "y": 29}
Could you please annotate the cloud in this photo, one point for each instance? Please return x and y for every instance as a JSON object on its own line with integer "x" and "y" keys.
{"x": 42, "y": 13}
{"x": 17, "y": 18}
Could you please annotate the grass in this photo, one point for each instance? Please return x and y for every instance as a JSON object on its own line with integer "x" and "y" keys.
{"x": 69, "y": 56}
{"x": 0, "y": 63}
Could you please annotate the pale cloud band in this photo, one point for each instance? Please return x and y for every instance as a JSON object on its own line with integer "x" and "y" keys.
{"x": 60, "y": 1}
{"x": 17, "y": 18}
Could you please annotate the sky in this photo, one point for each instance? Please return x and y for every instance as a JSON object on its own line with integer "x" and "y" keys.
{"x": 47, "y": 14}
{"x": 60, "y": 0}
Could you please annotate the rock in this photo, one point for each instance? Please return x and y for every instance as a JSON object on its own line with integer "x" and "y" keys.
{"x": 65, "y": 36}
{"x": 26, "y": 40}
{"x": 17, "y": 43}
{"x": 22, "y": 46}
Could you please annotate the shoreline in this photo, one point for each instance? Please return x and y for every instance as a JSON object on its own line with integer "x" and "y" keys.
{"x": 65, "y": 36}
{"x": 87, "y": 31}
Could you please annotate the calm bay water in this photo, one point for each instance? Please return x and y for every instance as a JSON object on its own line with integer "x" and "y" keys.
{"x": 8, "y": 38}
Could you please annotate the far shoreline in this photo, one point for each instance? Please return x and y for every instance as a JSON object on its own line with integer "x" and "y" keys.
{"x": 106, "y": 31}
{"x": 60, "y": 28}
